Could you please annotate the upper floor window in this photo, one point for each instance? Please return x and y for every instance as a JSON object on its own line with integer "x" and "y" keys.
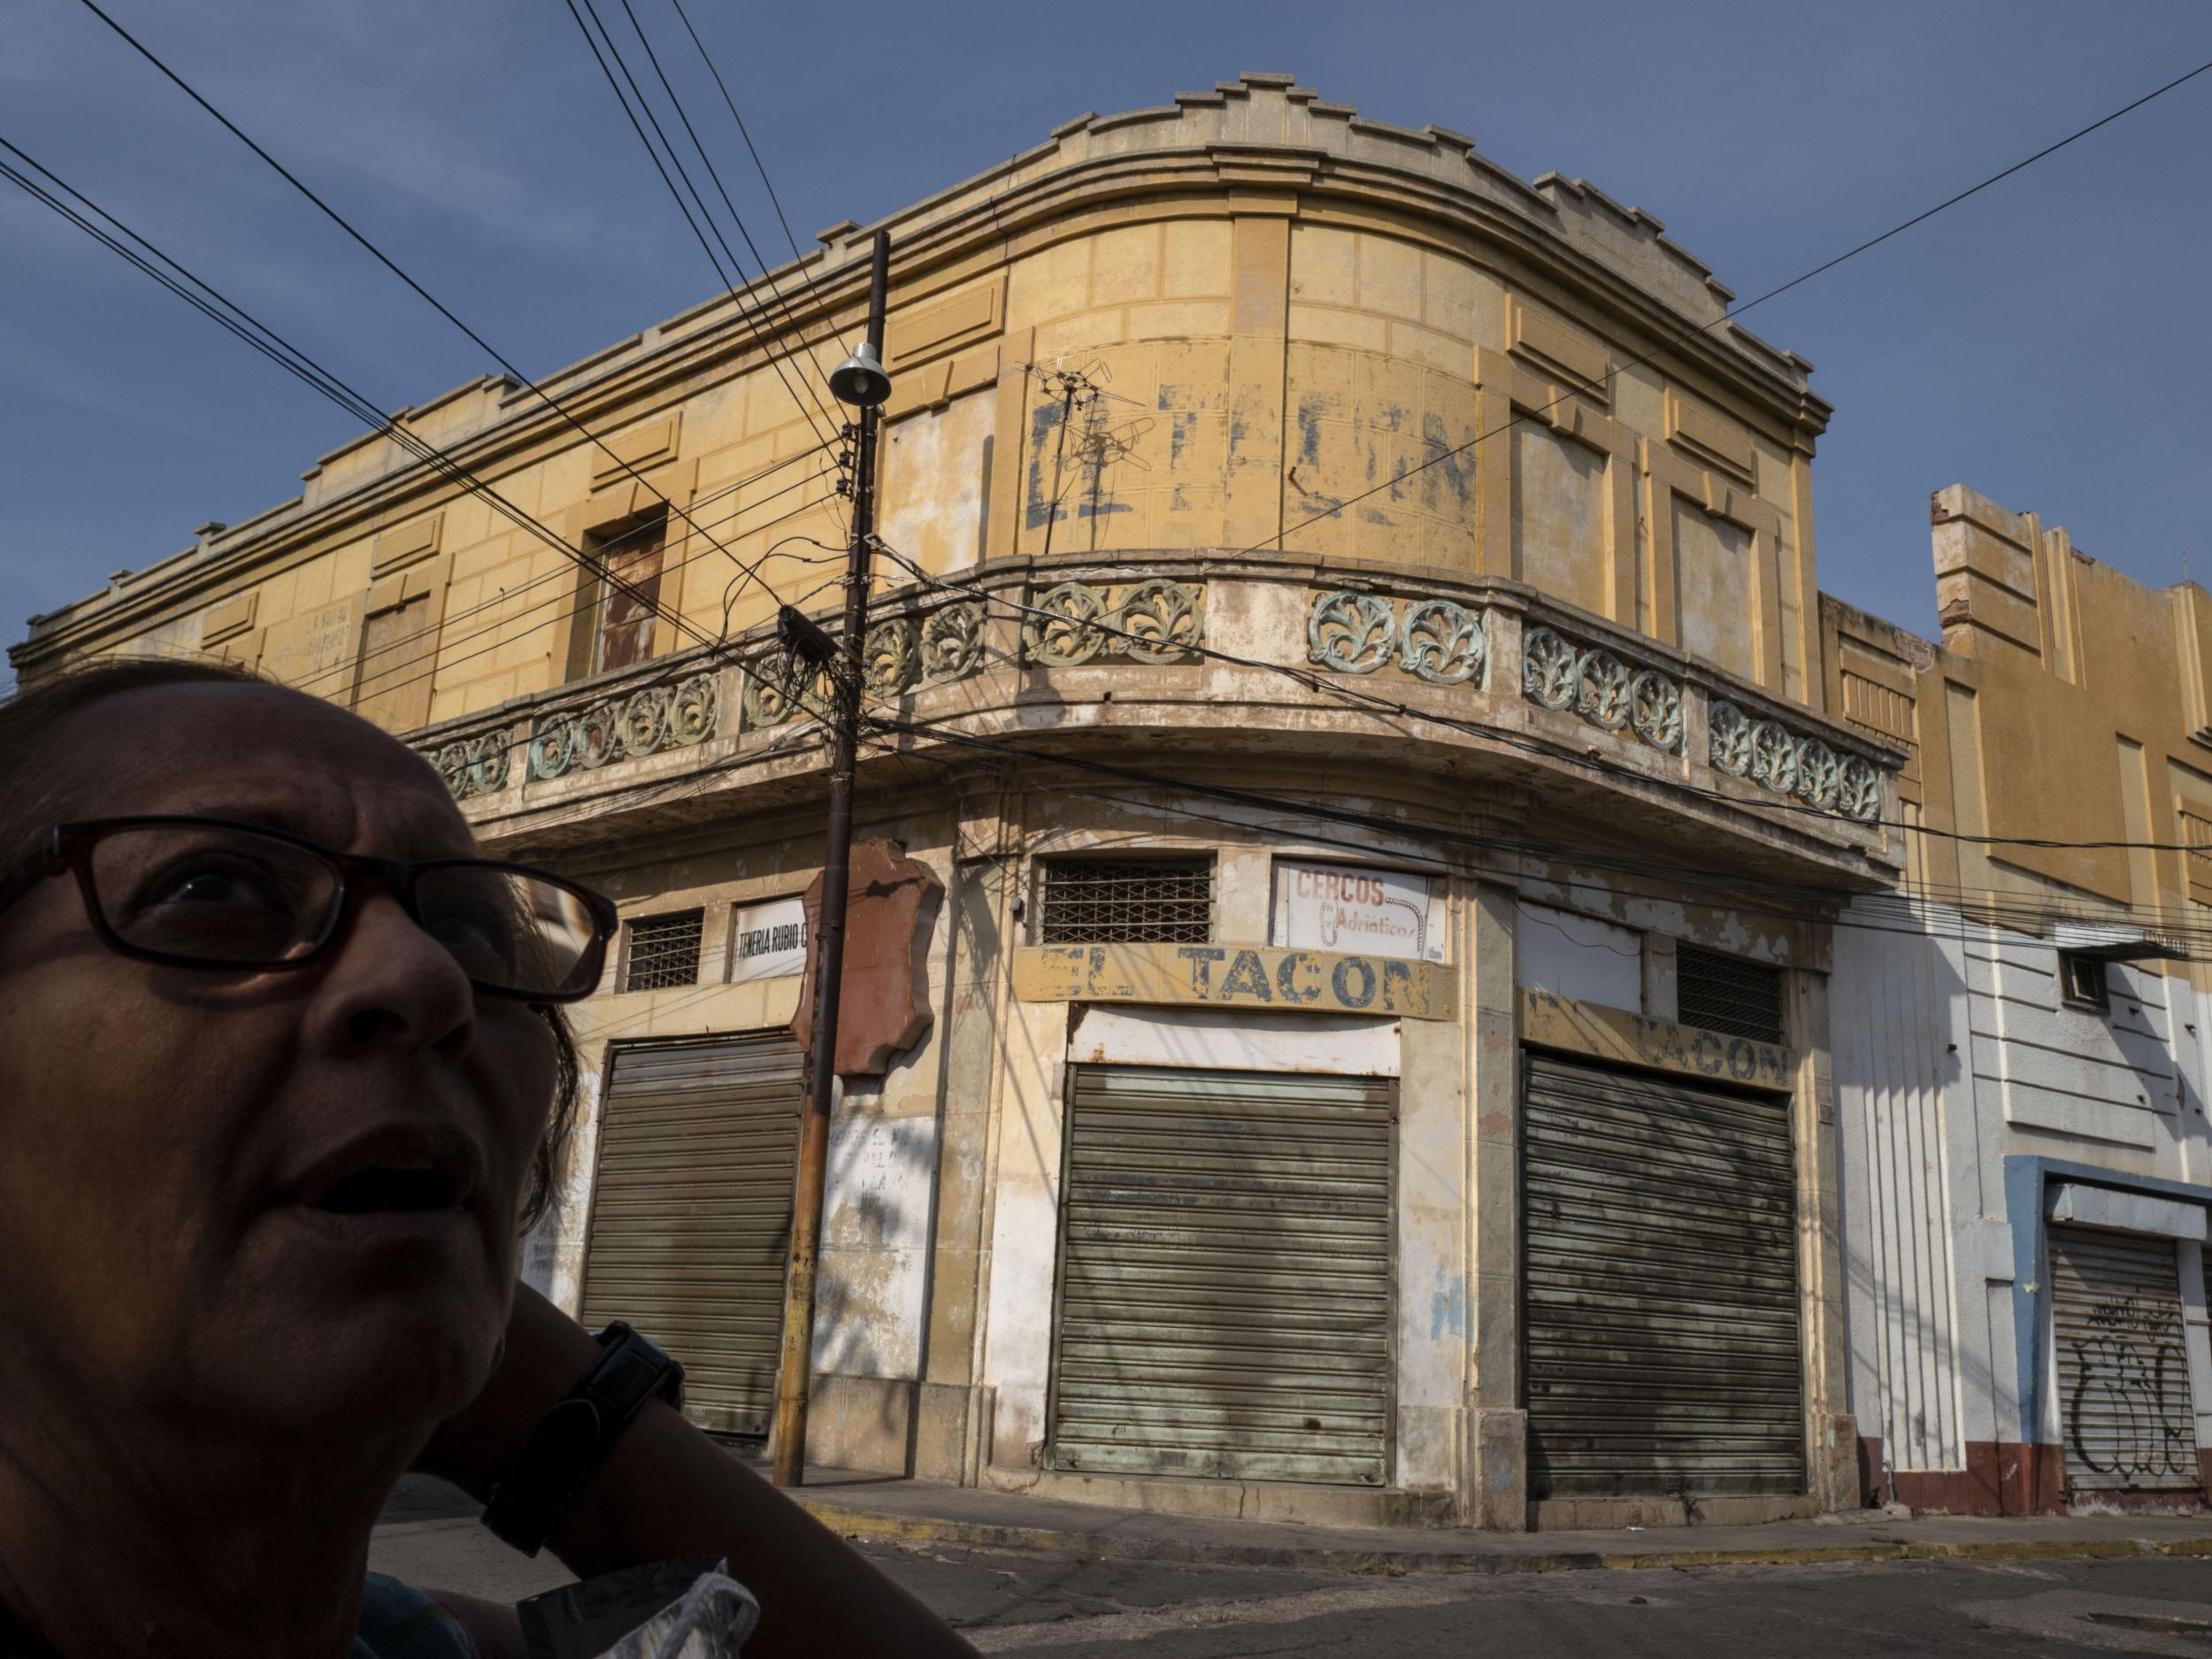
{"x": 1127, "y": 901}
{"x": 624, "y": 593}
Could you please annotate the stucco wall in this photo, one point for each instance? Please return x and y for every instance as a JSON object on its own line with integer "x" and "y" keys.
{"x": 1956, "y": 1061}
{"x": 1368, "y": 368}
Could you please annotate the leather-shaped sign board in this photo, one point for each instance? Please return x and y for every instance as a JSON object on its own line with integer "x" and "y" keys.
{"x": 890, "y": 910}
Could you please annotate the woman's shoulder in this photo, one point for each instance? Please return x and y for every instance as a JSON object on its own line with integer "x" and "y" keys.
{"x": 398, "y": 1622}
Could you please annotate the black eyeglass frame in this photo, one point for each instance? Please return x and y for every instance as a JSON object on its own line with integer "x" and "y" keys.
{"x": 69, "y": 847}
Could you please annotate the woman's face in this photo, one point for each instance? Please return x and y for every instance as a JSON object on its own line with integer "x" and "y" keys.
{"x": 168, "y": 1241}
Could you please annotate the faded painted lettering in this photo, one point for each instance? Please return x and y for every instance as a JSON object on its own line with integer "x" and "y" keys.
{"x": 1556, "y": 1022}
{"x": 1249, "y": 976}
{"x": 1246, "y": 978}
{"x": 1202, "y": 959}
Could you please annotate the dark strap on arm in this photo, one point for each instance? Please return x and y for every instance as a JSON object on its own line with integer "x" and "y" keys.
{"x": 570, "y": 1440}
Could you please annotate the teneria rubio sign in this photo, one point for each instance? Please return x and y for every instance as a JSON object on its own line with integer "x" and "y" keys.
{"x": 1235, "y": 975}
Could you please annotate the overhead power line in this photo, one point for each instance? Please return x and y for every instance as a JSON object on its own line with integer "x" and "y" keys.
{"x": 730, "y": 281}
{"x": 236, "y": 320}
{"x": 1337, "y": 507}
{"x": 767, "y": 274}
{"x": 759, "y": 166}
{"x": 443, "y": 659}
{"x": 242, "y": 324}
{"x": 1908, "y": 922}
{"x": 1775, "y": 895}
{"x": 429, "y": 298}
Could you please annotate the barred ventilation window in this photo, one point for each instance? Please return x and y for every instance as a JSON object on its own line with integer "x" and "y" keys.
{"x": 664, "y": 951}
{"x": 1127, "y": 901}
{"x": 1727, "y": 993}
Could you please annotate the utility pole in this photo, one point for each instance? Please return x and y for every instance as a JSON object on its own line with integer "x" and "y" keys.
{"x": 861, "y": 382}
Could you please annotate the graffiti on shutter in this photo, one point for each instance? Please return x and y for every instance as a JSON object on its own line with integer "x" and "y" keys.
{"x": 2124, "y": 1376}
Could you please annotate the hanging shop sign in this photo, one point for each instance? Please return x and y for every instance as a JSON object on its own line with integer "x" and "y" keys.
{"x": 770, "y": 939}
{"x": 1236, "y": 976}
{"x": 1612, "y": 1034}
{"x": 883, "y": 1008}
{"x": 1351, "y": 907}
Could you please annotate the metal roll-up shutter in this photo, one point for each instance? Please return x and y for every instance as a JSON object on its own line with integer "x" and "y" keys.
{"x": 1661, "y": 1312}
{"x": 691, "y": 1217}
{"x": 1225, "y": 1293}
{"x": 2123, "y": 1372}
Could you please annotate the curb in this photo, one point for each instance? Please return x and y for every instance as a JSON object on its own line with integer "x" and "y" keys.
{"x": 905, "y": 1529}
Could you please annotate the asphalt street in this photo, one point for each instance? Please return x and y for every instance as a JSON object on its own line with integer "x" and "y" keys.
{"x": 1025, "y": 1603}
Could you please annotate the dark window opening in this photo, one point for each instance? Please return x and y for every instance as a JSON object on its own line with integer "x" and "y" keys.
{"x": 1127, "y": 901}
{"x": 664, "y": 951}
{"x": 1717, "y": 992}
{"x": 2082, "y": 982}
{"x": 628, "y": 575}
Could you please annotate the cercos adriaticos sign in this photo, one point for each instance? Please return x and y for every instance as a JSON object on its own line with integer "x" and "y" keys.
{"x": 1236, "y": 976}
{"x": 1350, "y": 908}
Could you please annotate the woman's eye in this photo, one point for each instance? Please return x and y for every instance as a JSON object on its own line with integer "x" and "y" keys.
{"x": 207, "y": 886}
{"x": 477, "y": 939}
{"x": 226, "y": 883}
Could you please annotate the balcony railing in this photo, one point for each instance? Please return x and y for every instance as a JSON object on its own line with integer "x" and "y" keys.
{"x": 1465, "y": 655}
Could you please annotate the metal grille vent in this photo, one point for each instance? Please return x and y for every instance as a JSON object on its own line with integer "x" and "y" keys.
{"x": 664, "y": 951}
{"x": 1728, "y": 994}
{"x": 1127, "y": 901}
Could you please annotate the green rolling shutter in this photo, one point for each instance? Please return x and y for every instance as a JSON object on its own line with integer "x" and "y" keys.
{"x": 691, "y": 1214}
{"x": 1226, "y": 1274}
{"x": 1661, "y": 1317}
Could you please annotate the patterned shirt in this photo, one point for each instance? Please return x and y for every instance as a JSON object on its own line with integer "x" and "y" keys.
{"x": 397, "y": 1623}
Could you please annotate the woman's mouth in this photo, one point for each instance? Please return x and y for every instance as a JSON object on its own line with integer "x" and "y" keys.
{"x": 392, "y": 1184}
{"x": 382, "y": 1190}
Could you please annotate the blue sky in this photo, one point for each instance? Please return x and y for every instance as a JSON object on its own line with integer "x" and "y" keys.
{"x": 2048, "y": 342}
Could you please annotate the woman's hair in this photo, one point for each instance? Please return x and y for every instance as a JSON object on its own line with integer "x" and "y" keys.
{"x": 31, "y": 799}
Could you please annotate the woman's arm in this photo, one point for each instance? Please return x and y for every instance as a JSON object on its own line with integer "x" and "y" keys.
{"x": 667, "y": 1490}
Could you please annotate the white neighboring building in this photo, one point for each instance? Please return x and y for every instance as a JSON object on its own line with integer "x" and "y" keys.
{"x": 2019, "y": 1065}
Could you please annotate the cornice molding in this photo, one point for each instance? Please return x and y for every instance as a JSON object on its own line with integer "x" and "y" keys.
{"x": 1260, "y": 131}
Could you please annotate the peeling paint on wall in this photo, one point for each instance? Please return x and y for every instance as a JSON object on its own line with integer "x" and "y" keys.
{"x": 1447, "y": 1306}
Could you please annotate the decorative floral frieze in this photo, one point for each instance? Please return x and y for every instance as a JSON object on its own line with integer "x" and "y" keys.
{"x": 1444, "y": 643}
{"x": 624, "y": 727}
{"x": 1859, "y": 789}
{"x": 1770, "y": 755}
{"x": 1596, "y": 684}
{"x": 1440, "y": 641}
{"x": 779, "y": 686}
{"x": 1353, "y": 634}
{"x": 472, "y": 765}
{"x": 890, "y": 656}
{"x": 1655, "y": 709}
{"x": 952, "y": 640}
{"x": 897, "y": 654}
{"x": 1156, "y": 621}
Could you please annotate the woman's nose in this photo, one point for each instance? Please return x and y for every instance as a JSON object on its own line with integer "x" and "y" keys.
{"x": 390, "y": 982}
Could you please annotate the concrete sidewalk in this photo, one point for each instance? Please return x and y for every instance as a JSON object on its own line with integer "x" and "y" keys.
{"x": 890, "y": 1509}
{"x": 912, "y": 1511}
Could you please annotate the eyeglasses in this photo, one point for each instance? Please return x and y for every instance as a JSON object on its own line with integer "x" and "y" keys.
{"x": 205, "y": 893}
